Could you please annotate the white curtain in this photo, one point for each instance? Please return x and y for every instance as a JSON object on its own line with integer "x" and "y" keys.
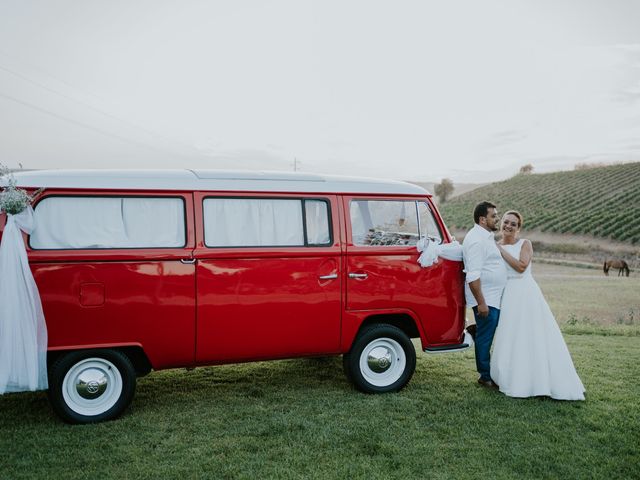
{"x": 23, "y": 332}
{"x": 108, "y": 222}
{"x": 317, "y": 222}
{"x": 239, "y": 222}
{"x": 154, "y": 222}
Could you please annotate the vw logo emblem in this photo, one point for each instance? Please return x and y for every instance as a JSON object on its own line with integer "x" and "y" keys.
{"x": 93, "y": 387}
{"x": 384, "y": 362}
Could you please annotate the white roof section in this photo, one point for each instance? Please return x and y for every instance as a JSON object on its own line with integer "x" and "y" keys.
{"x": 211, "y": 180}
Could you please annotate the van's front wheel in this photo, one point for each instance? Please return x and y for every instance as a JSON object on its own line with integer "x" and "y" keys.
{"x": 382, "y": 359}
{"x": 91, "y": 385}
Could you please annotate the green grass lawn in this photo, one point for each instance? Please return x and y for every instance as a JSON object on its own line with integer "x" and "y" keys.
{"x": 301, "y": 419}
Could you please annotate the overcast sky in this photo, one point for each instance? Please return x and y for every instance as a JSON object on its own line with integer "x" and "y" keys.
{"x": 414, "y": 90}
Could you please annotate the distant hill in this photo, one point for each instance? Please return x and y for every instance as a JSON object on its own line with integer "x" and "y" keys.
{"x": 603, "y": 202}
{"x": 458, "y": 188}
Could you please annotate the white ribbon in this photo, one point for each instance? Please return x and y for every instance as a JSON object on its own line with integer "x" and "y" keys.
{"x": 23, "y": 331}
{"x": 431, "y": 251}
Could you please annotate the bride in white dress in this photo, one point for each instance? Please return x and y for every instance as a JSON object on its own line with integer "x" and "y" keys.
{"x": 530, "y": 357}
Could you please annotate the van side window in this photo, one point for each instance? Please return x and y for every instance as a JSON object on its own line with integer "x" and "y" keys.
{"x": 81, "y": 222}
{"x": 317, "y": 222}
{"x": 265, "y": 222}
{"x": 384, "y": 222}
{"x": 428, "y": 225}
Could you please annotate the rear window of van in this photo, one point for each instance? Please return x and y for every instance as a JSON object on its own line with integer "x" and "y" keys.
{"x": 83, "y": 222}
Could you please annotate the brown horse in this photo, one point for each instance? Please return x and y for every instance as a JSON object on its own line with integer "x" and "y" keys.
{"x": 621, "y": 265}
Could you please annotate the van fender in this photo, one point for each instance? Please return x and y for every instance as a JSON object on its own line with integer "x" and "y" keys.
{"x": 354, "y": 320}
{"x": 135, "y": 351}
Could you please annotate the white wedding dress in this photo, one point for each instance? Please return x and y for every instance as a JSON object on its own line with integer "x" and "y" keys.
{"x": 530, "y": 357}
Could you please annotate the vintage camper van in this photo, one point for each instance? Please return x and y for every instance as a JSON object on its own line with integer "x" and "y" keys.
{"x": 149, "y": 270}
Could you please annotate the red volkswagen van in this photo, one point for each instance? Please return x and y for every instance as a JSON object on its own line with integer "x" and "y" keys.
{"x": 149, "y": 270}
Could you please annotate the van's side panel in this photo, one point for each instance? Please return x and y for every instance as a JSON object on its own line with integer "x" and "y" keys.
{"x": 395, "y": 281}
{"x": 267, "y": 302}
{"x": 453, "y": 275}
{"x": 108, "y": 297}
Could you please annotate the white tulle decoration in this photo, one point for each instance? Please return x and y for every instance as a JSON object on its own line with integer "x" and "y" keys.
{"x": 432, "y": 250}
{"x": 23, "y": 332}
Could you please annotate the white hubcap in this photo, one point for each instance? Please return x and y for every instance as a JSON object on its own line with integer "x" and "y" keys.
{"x": 92, "y": 386}
{"x": 382, "y": 362}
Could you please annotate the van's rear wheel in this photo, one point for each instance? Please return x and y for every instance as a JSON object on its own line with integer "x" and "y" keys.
{"x": 382, "y": 359}
{"x": 91, "y": 386}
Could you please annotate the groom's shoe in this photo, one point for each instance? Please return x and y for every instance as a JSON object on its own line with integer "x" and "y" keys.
{"x": 488, "y": 383}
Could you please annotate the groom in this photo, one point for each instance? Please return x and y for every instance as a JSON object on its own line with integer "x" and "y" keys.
{"x": 486, "y": 276}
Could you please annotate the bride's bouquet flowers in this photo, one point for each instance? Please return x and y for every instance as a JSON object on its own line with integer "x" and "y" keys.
{"x": 14, "y": 200}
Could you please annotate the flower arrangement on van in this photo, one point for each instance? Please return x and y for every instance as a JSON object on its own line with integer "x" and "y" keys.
{"x": 14, "y": 200}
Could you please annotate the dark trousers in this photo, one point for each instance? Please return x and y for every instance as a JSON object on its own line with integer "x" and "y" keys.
{"x": 485, "y": 330}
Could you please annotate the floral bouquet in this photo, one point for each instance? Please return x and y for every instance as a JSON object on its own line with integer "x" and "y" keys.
{"x": 14, "y": 200}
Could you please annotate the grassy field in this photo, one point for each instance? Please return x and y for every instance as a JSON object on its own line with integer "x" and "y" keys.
{"x": 301, "y": 419}
{"x": 585, "y": 300}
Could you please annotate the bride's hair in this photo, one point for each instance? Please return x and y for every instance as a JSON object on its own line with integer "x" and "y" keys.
{"x": 516, "y": 214}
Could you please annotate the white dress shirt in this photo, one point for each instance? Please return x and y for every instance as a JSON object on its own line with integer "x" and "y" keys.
{"x": 482, "y": 260}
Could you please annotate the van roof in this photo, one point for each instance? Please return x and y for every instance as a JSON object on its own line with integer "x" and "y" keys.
{"x": 214, "y": 180}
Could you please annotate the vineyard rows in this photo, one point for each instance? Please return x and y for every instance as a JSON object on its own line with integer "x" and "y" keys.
{"x": 603, "y": 202}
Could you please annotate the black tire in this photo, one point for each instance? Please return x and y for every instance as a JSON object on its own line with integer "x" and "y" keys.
{"x": 382, "y": 359}
{"x": 89, "y": 386}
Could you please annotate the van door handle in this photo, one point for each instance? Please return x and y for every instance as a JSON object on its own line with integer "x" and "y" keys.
{"x": 358, "y": 275}
{"x": 331, "y": 276}
{"x": 188, "y": 261}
